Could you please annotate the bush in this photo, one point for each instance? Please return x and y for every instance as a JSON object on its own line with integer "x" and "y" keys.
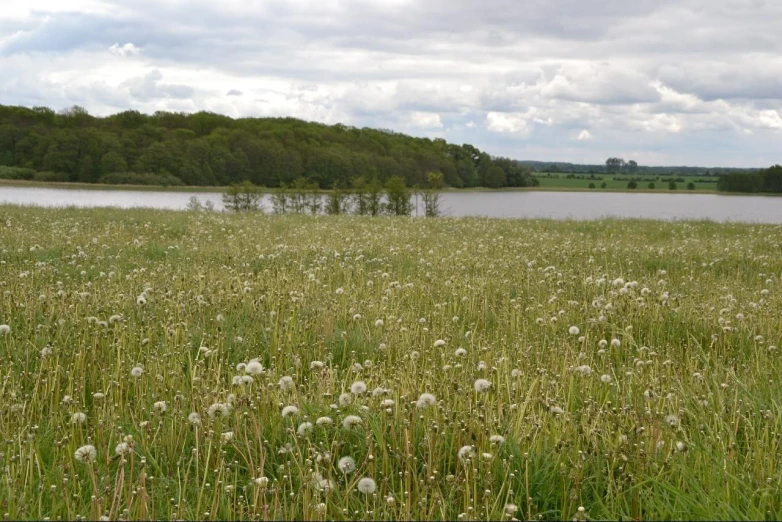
{"x": 16, "y": 173}
{"x": 591, "y": 185}
{"x": 690, "y": 186}
{"x": 48, "y": 176}
{"x": 651, "y": 185}
{"x": 671, "y": 185}
{"x": 603, "y": 185}
{"x": 632, "y": 185}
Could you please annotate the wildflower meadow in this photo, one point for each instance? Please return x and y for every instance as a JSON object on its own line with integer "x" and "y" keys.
{"x": 201, "y": 365}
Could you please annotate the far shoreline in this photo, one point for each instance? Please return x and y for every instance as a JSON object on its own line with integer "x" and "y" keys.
{"x": 221, "y": 189}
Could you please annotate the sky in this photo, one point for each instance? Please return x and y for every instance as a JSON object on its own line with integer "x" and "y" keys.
{"x": 663, "y": 82}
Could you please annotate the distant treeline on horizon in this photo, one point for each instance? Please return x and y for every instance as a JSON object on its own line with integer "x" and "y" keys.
{"x": 577, "y": 168}
{"x": 207, "y": 149}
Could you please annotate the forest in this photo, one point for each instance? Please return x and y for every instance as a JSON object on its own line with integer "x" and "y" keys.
{"x": 208, "y": 149}
{"x": 765, "y": 180}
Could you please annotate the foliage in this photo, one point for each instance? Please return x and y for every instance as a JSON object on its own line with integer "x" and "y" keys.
{"x": 243, "y": 197}
{"x": 632, "y": 184}
{"x": 766, "y": 180}
{"x": 397, "y": 197}
{"x": 431, "y": 194}
{"x": 671, "y": 185}
{"x": 210, "y": 149}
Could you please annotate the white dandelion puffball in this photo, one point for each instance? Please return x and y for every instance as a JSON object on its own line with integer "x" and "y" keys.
{"x": 482, "y": 385}
{"x": 137, "y": 371}
{"x": 672, "y": 420}
{"x": 438, "y": 343}
{"x": 497, "y": 439}
{"x": 194, "y": 419}
{"x": 346, "y": 465}
{"x": 379, "y": 322}
{"x": 605, "y": 378}
{"x": 123, "y": 448}
{"x": 5, "y": 329}
{"x": 286, "y": 383}
{"x": 316, "y": 365}
{"x": 350, "y": 421}
{"x": 358, "y": 388}
{"x": 160, "y": 406}
{"x": 367, "y": 486}
{"x": 86, "y": 454}
{"x": 339, "y": 291}
{"x": 616, "y": 343}
{"x": 556, "y": 410}
{"x": 288, "y": 411}
{"x": 425, "y": 400}
{"x": 466, "y": 453}
{"x": 324, "y": 421}
{"x": 304, "y": 428}
{"x": 78, "y": 418}
{"x": 460, "y": 352}
{"x": 253, "y": 368}
{"x": 573, "y": 330}
{"x": 226, "y": 437}
{"x": 218, "y": 409}
{"x": 345, "y": 399}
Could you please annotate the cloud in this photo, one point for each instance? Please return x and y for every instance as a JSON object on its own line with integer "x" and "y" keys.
{"x": 124, "y": 50}
{"x": 685, "y": 81}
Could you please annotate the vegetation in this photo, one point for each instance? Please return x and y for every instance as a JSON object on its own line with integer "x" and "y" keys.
{"x": 767, "y": 180}
{"x": 619, "y": 166}
{"x": 206, "y": 149}
{"x": 196, "y": 365}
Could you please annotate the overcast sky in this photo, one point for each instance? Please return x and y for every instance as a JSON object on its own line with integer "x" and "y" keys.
{"x": 685, "y": 82}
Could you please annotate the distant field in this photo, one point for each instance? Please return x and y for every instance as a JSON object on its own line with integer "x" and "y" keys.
{"x": 563, "y": 182}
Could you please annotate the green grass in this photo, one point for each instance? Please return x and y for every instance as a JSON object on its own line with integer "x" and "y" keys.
{"x": 89, "y": 294}
{"x": 583, "y": 184}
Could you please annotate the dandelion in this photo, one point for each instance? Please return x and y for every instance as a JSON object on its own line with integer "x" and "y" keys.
{"x": 387, "y": 403}
{"x": 141, "y": 300}
{"x": 316, "y": 365}
{"x": 339, "y": 291}
{"x": 286, "y": 383}
{"x": 377, "y": 392}
{"x": 482, "y": 385}
{"x": 78, "y": 418}
{"x": 367, "y": 486}
{"x": 345, "y": 399}
{"x": 515, "y": 373}
{"x": 160, "y": 406}
{"x": 511, "y": 509}
{"x": 86, "y": 454}
{"x": 261, "y": 482}
{"x": 226, "y": 437}
{"x": 137, "y": 371}
{"x": 497, "y": 439}
{"x": 5, "y": 329}
{"x": 466, "y": 453}
{"x": 194, "y": 419}
{"x": 218, "y": 409}
{"x": 672, "y": 420}
{"x": 438, "y": 343}
{"x": 573, "y": 330}
{"x": 556, "y": 410}
{"x": 289, "y": 411}
{"x": 681, "y": 447}
{"x": 379, "y": 322}
{"x": 324, "y": 421}
{"x": 602, "y": 343}
{"x": 304, "y": 428}
{"x": 122, "y": 449}
{"x": 425, "y": 400}
{"x": 346, "y": 465}
{"x": 584, "y": 370}
{"x": 358, "y": 388}
{"x": 616, "y": 343}
{"x": 605, "y": 378}
{"x": 460, "y": 352}
{"x": 254, "y": 368}
{"x": 46, "y": 351}
{"x": 350, "y": 421}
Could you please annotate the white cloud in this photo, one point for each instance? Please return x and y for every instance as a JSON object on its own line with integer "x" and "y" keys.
{"x": 584, "y": 135}
{"x": 507, "y": 122}
{"x": 124, "y": 50}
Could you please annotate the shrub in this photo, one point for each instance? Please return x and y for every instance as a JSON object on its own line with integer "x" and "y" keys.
{"x": 243, "y": 197}
{"x": 632, "y": 185}
{"x": 16, "y": 173}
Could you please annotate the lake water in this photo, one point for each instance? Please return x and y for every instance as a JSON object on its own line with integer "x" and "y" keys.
{"x": 532, "y": 204}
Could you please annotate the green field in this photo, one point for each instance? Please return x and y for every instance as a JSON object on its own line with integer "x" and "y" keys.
{"x": 660, "y": 186}
{"x": 173, "y": 365}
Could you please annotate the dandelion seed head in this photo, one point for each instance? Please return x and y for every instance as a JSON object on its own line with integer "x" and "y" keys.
{"x": 86, "y": 454}
{"x": 367, "y": 486}
{"x": 482, "y": 385}
{"x": 289, "y": 411}
{"x": 346, "y": 465}
{"x": 358, "y": 388}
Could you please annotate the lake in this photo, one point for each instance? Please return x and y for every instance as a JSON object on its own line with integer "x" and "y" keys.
{"x": 527, "y": 204}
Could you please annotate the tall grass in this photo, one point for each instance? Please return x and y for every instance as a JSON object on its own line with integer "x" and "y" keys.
{"x": 664, "y": 405}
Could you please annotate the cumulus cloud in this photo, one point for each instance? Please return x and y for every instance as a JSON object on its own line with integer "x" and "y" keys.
{"x": 685, "y": 81}
{"x": 124, "y": 50}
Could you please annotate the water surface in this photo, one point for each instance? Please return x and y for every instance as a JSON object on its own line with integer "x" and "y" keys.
{"x": 531, "y": 204}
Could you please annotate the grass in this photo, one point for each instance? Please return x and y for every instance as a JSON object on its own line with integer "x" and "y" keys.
{"x": 669, "y": 393}
{"x": 621, "y": 185}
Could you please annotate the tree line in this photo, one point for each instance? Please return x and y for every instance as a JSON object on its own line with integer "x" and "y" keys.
{"x": 208, "y": 149}
{"x": 765, "y": 180}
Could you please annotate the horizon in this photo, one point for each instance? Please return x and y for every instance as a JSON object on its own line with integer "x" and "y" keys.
{"x": 667, "y": 84}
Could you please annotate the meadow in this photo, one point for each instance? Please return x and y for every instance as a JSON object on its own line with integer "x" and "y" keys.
{"x": 194, "y": 365}
{"x": 560, "y": 181}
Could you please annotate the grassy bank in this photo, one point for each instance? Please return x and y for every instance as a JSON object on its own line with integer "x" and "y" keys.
{"x": 208, "y": 366}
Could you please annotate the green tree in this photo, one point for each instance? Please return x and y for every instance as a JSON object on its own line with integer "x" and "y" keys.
{"x": 651, "y": 185}
{"x": 632, "y": 185}
{"x": 397, "y": 197}
{"x": 690, "y": 186}
{"x": 112, "y": 162}
{"x": 243, "y": 197}
{"x": 495, "y": 177}
{"x": 671, "y": 185}
{"x": 431, "y": 194}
